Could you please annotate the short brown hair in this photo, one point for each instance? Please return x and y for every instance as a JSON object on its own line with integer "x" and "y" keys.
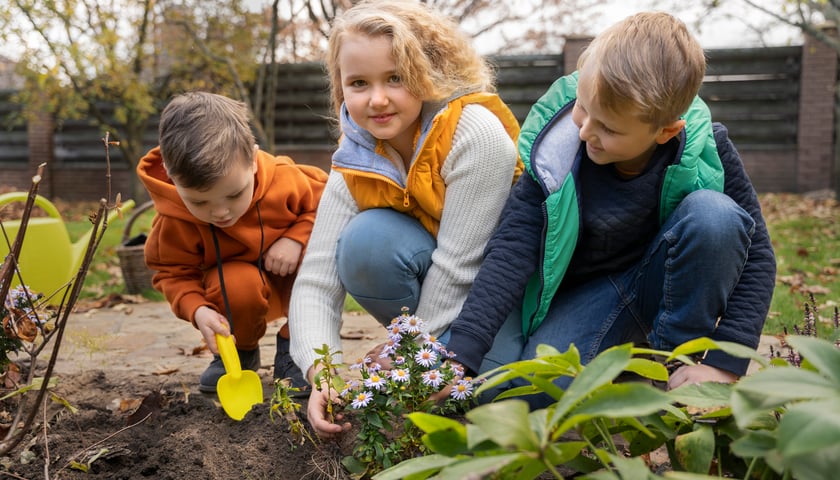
{"x": 649, "y": 62}
{"x": 201, "y": 135}
{"x": 433, "y": 56}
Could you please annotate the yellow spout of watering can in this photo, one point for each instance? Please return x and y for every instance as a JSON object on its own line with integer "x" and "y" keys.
{"x": 238, "y": 389}
{"x": 48, "y": 259}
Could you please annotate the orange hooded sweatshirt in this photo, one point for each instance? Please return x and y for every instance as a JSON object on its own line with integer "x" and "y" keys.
{"x": 180, "y": 247}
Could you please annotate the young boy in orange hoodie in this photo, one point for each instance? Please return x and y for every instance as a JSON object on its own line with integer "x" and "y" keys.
{"x": 231, "y": 226}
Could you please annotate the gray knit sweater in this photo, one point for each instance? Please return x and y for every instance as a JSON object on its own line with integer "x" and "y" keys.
{"x": 478, "y": 173}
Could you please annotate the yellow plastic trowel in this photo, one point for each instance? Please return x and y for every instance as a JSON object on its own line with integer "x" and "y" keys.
{"x": 238, "y": 389}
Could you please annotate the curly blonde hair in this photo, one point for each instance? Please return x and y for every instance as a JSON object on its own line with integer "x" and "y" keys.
{"x": 649, "y": 62}
{"x": 434, "y": 58}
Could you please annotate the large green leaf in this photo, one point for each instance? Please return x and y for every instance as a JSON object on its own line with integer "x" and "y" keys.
{"x": 648, "y": 368}
{"x": 695, "y": 450}
{"x": 443, "y": 435}
{"x": 479, "y": 467}
{"x": 821, "y": 353}
{"x": 430, "y": 423}
{"x": 562, "y": 452}
{"x": 702, "y": 344}
{"x": 775, "y": 387}
{"x": 704, "y": 395}
{"x": 446, "y": 442}
{"x": 625, "y": 469}
{"x": 506, "y": 423}
{"x": 754, "y": 444}
{"x": 808, "y": 427}
{"x": 817, "y": 465}
{"x": 616, "y": 401}
{"x": 601, "y": 370}
{"x": 419, "y": 467}
{"x": 548, "y": 359}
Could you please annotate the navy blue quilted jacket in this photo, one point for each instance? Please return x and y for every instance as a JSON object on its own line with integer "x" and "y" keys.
{"x": 513, "y": 255}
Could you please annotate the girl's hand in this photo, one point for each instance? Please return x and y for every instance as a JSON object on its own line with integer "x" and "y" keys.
{"x": 316, "y": 410}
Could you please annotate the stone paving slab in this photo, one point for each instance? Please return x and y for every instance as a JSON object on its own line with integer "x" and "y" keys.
{"x": 147, "y": 339}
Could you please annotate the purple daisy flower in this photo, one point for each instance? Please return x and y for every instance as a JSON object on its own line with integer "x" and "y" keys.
{"x": 362, "y": 400}
{"x": 432, "y": 378}
{"x": 426, "y": 357}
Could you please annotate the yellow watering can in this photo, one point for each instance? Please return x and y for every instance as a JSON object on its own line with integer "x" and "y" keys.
{"x": 48, "y": 259}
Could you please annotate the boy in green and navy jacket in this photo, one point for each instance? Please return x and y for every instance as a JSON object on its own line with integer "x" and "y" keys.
{"x": 635, "y": 221}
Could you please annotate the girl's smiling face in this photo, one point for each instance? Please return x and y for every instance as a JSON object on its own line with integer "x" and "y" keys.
{"x": 374, "y": 93}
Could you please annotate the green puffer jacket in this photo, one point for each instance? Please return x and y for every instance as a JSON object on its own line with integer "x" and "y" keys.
{"x": 549, "y": 146}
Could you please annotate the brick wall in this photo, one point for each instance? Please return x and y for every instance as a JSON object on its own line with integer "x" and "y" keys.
{"x": 815, "y": 156}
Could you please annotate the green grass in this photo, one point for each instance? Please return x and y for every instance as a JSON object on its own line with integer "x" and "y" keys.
{"x": 105, "y": 276}
{"x": 808, "y": 260}
{"x": 805, "y": 235}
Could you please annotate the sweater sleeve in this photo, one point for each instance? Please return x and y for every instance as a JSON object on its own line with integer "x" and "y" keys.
{"x": 749, "y": 302}
{"x": 512, "y": 256}
{"x": 478, "y": 173}
{"x": 318, "y": 296}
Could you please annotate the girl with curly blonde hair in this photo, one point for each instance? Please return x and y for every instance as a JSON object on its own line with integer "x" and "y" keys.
{"x": 426, "y": 160}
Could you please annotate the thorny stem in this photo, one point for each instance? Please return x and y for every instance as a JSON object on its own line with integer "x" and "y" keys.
{"x": 46, "y": 446}
{"x": 100, "y": 224}
{"x": 10, "y": 266}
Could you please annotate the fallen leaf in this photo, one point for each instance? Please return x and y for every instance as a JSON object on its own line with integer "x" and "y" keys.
{"x": 149, "y": 407}
{"x": 356, "y": 335}
{"x": 165, "y": 371}
{"x": 128, "y": 404}
{"x": 816, "y": 289}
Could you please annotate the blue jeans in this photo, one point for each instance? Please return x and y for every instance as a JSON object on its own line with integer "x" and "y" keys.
{"x": 675, "y": 293}
{"x": 382, "y": 257}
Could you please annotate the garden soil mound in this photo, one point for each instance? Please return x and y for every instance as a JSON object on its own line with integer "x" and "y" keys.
{"x": 127, "y": 406}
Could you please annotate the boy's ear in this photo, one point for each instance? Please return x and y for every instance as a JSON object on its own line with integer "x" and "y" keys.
{"x": 254, "y": 158}
{"x": 670, "y": 131}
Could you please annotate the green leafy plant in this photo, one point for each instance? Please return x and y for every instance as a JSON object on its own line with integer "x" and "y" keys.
{"x": 326, "y": 369}
{"x": 410, "y": 369}
{"x": 580, "y": 430}
{"x": 283, "y": 406}
{"x": 792, "y": 415}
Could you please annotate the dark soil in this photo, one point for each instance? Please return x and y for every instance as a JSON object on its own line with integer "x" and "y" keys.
{"x": 153, "y": 427}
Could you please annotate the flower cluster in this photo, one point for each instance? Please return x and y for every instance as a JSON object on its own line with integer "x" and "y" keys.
{"x": 20, "y": 320}
{"x": 411, "y": 367}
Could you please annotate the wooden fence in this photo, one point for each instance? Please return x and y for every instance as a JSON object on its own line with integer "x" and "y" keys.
{"x": 777, "y": 103}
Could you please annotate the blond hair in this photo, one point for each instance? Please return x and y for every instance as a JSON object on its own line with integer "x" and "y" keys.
{"x": 202, "y": 135}
{"x": 649, "y": 63}
{"x": 434, "y": 58}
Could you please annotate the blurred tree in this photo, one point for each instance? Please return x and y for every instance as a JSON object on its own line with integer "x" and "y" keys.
{"x": 80, "y": 55}
{"x": 508, "y": 27}
{"x": 819, "y": 19}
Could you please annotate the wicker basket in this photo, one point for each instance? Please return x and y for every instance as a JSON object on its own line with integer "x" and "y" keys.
{"x": 136, "y": 274}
